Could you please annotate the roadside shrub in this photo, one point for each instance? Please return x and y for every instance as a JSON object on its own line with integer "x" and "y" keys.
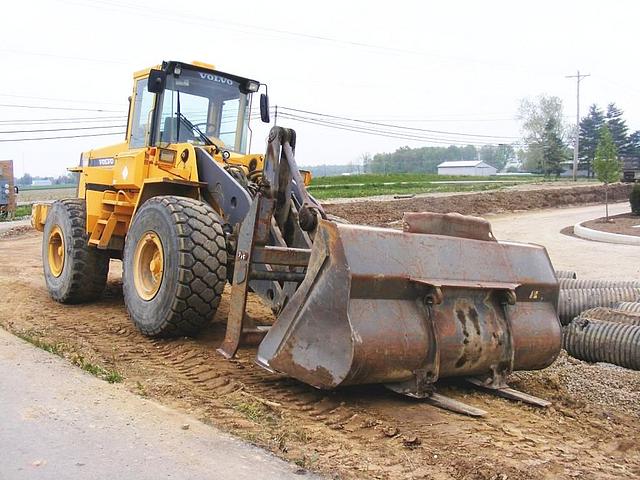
{"x": 634, "y": 199}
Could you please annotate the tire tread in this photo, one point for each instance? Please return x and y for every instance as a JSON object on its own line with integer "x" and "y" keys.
{"x": 201, "y": 267}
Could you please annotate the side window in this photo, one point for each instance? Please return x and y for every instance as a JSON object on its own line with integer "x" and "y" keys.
{"x": 143, "y": 104}
{"x": 228, "y": 123}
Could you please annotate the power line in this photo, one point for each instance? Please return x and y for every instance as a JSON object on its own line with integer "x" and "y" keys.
{"x": 65, "y": 57}
{"x": 172, "y": 15}
{"x": 97, "y": 127}
{"x": 397, "y": 126}
{"x": 60, "y": 108}
{"x": 59, "y": 137}
{"x": 58, "y": 121}
{"x": 58, "y": 99}
{"x": 380, "y": 132}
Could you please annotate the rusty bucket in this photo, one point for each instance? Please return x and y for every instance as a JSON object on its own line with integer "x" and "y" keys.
{"x": 440, "y": 299}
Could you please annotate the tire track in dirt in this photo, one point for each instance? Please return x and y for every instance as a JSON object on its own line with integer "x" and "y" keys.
{"x": 354, "y": 432}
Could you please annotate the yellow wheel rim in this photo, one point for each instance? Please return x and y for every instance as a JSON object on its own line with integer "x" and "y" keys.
{"x": 148, "y": 265}
{"x": 55, "y": 255}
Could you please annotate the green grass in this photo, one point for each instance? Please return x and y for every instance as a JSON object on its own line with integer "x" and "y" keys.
{"x": 60, "y": 349}
{"x": 111, "y": 376}
{"x": 22, "y": 211}
{"x": 45, "y": 187}
{"x": 257, "y": 412}
{"x": 55, "y": 348}
{"x": 370, "y": 178}
{"x": 353, "y": 186}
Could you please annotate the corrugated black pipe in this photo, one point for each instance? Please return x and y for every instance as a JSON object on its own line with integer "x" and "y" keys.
{"x": 573, "y": 302}
{"x": 628, "y": 306}
{"x": 600, "y": 341}
{"x": 572, "y": 283}
{"x": 566, "y": 274}
{"x": 611, "y": 315}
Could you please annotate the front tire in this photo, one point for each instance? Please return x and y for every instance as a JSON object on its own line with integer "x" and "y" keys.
{"x": 74, "y": 271}
{"x": 174, "y": 266}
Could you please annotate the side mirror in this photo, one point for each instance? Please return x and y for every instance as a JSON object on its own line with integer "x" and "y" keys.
{"x": 157, "y": 80}
{"x": 264, "y": 108}
{"x": 16, "y": 189}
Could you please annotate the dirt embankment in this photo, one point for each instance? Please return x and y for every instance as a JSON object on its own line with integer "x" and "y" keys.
{"x": 383, "y": 213}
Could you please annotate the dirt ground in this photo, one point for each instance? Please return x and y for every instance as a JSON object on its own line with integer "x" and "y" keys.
{"x": 523, "y": 197}
{"x": 362, "y": 432}
{"x": 626, "y": 224}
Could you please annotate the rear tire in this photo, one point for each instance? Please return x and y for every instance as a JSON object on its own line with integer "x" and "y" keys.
{"x": 174, "y": 266}
{"x": 73, "y": 271}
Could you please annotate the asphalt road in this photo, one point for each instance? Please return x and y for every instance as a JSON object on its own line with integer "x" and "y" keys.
{"x": 593, "y": 260}
{"x": 58, "y": 422}
{"x": 4, "y": 226}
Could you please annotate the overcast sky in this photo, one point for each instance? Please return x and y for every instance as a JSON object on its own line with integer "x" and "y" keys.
{"x": 455, "y": 66}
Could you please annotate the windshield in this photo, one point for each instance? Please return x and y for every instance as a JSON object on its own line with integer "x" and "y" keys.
{"x": 202, "y": 107}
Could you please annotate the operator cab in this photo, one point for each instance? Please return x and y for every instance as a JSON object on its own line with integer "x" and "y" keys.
{"x": 183, "y": 103}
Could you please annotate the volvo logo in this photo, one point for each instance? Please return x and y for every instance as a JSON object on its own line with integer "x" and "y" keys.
{"x": 215, "y": 78}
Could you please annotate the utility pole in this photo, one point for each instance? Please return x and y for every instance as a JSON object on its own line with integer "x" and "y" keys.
{"x": 576, "y": 146}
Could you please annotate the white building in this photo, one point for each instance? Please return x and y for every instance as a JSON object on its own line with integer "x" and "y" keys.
{"x": 40, "y": 182}
{"x": 471, "y": 167}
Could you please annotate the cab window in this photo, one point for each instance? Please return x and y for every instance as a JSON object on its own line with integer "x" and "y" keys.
{"x": 142, "y": 106}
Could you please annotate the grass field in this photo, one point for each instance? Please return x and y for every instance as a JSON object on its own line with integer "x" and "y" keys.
{"x": 28, "y": 188}
{"x": 353, "y": 186}
{"x": 46, "y": 194}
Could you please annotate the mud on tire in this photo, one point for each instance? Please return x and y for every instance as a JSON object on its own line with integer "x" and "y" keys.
{"x": 194, "y": 260}
{"x": 80, "y": 272}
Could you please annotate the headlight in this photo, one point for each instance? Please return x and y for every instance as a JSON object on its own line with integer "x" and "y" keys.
{"x": 253, "y": 86}
{"x": 6, "y": 185}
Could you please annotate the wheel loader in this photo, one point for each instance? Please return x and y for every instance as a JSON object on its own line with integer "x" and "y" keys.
{"x": 187, "y": 209}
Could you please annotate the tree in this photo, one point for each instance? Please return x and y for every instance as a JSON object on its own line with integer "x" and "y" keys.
{"x": 420, "y": 160}
{"x": 634, "y": 143}
{"x": 64, "y": 179}
{"x": 366, "y": 159}
{"x": 553, "y": 149}
{"x": 618, "y": 128}
{"x": 535, "y": 115}
{"x": 606, "y": 164}
{"x": 468, "y": 152}
{"x": 497, "y": 155}
{"x": 25, "y": 179}
{"x": 589, "y": 135}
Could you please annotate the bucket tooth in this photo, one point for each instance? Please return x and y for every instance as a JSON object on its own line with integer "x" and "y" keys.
{"x": 509, "y": 393}
{"x": 428, "y": 394}
{"x": 448, "y": 403}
